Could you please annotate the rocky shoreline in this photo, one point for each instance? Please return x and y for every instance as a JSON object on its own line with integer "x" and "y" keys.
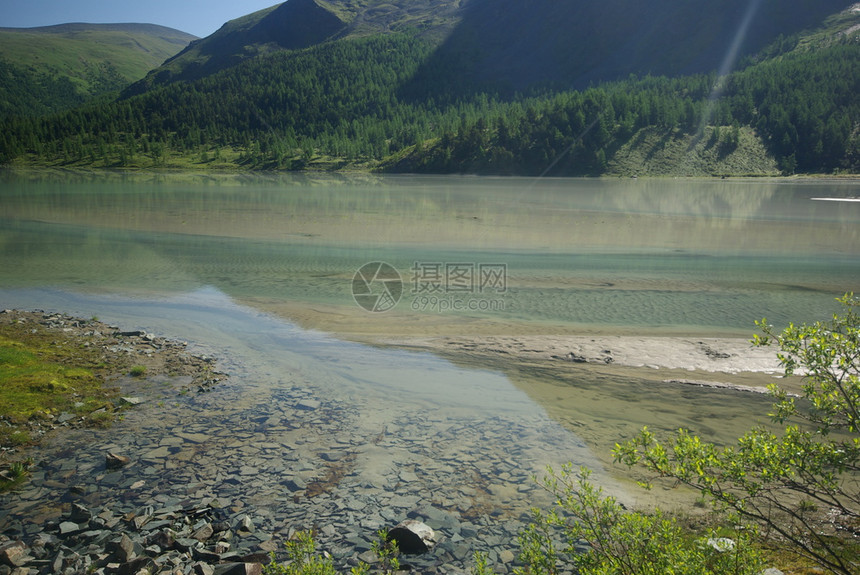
{"x": 211, "y": 483}
{"x": 119, "y": 350}
{"x": 174, "y": 539}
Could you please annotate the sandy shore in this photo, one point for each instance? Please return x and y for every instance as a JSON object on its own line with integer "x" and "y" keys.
{"x": 718, "y": 355}
{"x": 719, "y": 361}
{"x": 730, "y": 363}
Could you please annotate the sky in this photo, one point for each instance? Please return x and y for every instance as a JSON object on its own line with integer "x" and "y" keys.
{"x": 198, "y": 17}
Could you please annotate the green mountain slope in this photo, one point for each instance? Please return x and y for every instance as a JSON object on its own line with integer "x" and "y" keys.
{"x": 514, "y": 45}
{"x": 356, "y": 100}
{"x": 56, "y": 67}
{"x": 511, "y": 45}
{"x": 300, "y": 24}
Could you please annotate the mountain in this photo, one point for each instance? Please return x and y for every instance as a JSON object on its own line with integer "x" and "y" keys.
{"x": 298, "y": 24}
{"x": 513, "y": 45}
{"x": 56, "y": 67}
{"x": 575, "y": 87}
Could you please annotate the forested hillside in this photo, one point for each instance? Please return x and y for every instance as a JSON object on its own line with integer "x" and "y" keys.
{"x": 47, "y": 69}
{"x": 509, "y": 46}
{"x": 353, "y": 102}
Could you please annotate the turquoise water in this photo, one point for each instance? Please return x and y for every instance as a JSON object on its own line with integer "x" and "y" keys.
{"x": 689, "y": 256}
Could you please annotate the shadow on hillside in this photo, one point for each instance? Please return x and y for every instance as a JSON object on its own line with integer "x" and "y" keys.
{"x": 512, "y": 46}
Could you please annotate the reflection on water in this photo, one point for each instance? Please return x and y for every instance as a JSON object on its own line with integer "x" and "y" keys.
{"x": 580, "y": 254}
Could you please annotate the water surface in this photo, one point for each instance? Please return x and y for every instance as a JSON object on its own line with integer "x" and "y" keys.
{"x": 258, "y": 272}
{"x": 652, "y": 255}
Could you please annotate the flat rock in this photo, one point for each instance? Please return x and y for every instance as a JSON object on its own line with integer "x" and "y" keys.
{"x": 69, "y": 527}
{"x": 308, "y": 404}
{"x": 194, "y": 437}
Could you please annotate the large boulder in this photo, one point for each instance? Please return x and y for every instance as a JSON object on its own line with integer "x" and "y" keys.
{"x": 412, "y": 537}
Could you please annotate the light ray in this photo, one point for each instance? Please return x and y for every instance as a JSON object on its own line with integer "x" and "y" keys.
{"x": 727, "y": 66}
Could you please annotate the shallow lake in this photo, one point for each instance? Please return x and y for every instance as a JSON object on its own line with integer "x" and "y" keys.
{"x": 262, "y": 272}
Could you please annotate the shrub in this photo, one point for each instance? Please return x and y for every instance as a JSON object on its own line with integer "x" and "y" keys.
{"x": 597, "y": 536}
{"x": 801, "y": 484}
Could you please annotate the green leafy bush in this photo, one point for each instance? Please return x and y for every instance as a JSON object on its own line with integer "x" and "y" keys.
{"x": 800, "y": 485}
{"x": 598, "y": 536}
{"x": 303, "y": 559}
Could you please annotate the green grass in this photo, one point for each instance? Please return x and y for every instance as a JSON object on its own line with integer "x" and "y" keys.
{"x": 14, "y": 475}
{"x": 43, "y": 374}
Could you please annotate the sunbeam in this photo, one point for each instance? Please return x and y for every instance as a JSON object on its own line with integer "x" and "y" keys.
{"x": 726, "y": 67}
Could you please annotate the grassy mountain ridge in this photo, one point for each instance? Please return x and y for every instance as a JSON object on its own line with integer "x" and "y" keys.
{"x": 50, "y": 68}
{"x": 299, "y": 24}
{"x": 292, "y": 25}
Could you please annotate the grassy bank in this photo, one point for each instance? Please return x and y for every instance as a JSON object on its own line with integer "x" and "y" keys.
{"x": 44, "y": 373}
{"x": 58, "y": 372}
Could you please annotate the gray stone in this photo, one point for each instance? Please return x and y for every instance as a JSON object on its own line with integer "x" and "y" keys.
{"x": 239, "y": 569}
{"x": 203, "y": 532}
{"x": 308, "y": 404}
{"x": 69, "y": 528}
{"x": 14, "y": 553}
{"x": 461, "y": 551}
{"x": 437, "y": 517}
{"x": 65, "y": 417}
{"x": 413, "y": 537}
{"x": 194, "y": 437}
{"x": 123, "y": 550}
{"x": 359, "y": 543}
{"x": 246, "y": 525}
{"x": 408, "y": 477}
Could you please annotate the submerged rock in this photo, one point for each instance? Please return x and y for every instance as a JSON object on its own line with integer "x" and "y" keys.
{"x": 114, "y": 461}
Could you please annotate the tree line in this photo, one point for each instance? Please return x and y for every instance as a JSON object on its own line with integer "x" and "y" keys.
{"x": 343, "y": 100}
